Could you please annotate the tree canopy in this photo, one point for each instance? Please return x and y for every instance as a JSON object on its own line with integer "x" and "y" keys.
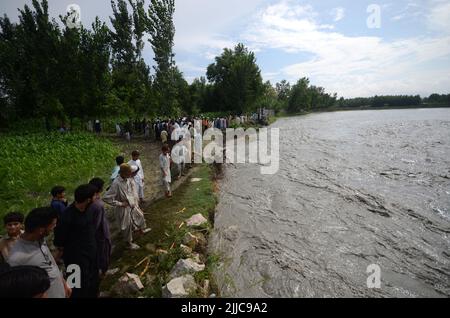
{"x": 51, "y": 70}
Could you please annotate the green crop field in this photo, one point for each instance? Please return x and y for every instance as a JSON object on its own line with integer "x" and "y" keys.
{"x": 32, "y": 164}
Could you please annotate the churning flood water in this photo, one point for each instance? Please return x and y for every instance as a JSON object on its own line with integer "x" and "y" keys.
{"x": 353, "y": 189}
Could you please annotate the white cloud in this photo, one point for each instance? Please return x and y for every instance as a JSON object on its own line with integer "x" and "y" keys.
{"x": 205, "y": 27}
{"x": 348, "y": 65}
{"x": 398, "y": 17}
{"x": 338, "y": 14}
{"x": 202, "y": 25}
{"x": 411, "y": 10}
{"x": 189, "y": 66}
{"x": 439, "y": 17}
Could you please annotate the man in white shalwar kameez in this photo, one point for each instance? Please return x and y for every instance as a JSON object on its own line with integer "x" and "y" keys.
{"x": 164, "y": 163}
{"x": 139, "y": 177}
{"x": 123, "y": 197}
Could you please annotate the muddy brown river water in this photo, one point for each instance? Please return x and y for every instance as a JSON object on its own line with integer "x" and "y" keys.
{"x": 353, "y": 189}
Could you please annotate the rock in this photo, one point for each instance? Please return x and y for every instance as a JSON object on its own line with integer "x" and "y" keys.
{"x": 195, "y": 242}
{"x": 134, "y": 280}
{"x": 196, "y": 220}
{"x": 128, "y": 284}
{"x": 186, "y": 266}
{"x": 202, "y": 243}
{"x": 186, "y": 249}
{"x": 190, "y": 240}
{"x": 196, "y": 258}
{"x": 196, "y": 179}
{"x": 179, "y": 287}
{"x": 112, "y": 272}
{"x": 212, "y": 296}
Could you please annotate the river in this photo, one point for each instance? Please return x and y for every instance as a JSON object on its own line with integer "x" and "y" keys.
{"x": 354, "y": 188}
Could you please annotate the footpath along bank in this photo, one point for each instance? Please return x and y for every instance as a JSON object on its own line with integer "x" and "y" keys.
{"x": 173, "y": 261}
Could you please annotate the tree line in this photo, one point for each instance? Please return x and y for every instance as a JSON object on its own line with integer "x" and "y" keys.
{"x": 53, "y": 71}
{"x": 394, "y": 101}
{"x": 60, "y": 72}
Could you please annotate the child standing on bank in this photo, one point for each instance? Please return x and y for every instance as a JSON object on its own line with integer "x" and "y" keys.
{"x": 13, "y": 222}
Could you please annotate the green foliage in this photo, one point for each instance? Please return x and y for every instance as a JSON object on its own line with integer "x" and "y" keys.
{"x": 161, "y": 28}
{"x": 300, "y": 98}
{"x": 237, "y": 80}
{"x": 34, "y": 163}
{"x": 131, "y": 85}
{"x": 381, "y": 101}
{"x": 438, "y": 99}
{"x": 64, "y": 74}
{"x": 49, "y": 72}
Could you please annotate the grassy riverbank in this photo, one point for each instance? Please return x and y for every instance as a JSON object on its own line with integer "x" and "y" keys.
{"x": 161, "y": 246}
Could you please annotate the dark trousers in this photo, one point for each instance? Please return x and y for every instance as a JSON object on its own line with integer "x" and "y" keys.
{"x": 90, "y": 279}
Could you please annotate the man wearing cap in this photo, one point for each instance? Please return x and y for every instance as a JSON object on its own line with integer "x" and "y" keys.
{"x": 139, "y": 176}
{"x": 122, "y": 196}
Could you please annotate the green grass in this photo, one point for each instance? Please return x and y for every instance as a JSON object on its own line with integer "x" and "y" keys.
{"x": 165, "y": 217}
{"x": 33, "y": 163}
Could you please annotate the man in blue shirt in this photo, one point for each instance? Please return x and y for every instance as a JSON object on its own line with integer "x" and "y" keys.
{"x": 59, "y": 201}
{"x": 119, "y": 160}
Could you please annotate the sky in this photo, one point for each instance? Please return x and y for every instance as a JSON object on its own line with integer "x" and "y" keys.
{"x": 355, "y": 48}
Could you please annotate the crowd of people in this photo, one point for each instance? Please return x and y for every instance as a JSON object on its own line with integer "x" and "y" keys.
{"x": 162, "y": 129}
{"x": 29, "y": 267}
{"x": 81, "y": 234}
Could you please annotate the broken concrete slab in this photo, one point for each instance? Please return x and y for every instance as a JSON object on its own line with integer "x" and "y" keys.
{"x": 128, "y": 284}
{"x": 190, "y": 240}
{"x": 196, "y": 220}
{"x": 196, "y": 258}
{"x": 179, "y": 287}
{"x": 186, "y": 266}
{"x": 112, "y": 272}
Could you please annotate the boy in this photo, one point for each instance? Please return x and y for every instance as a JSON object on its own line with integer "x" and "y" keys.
{"x": 13, "y": 222}
{"x": 115, "y": 172}
{"x": 139, "y": 178}
{"x": 164, "y": 162}
{"x": 59, "y": 201}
